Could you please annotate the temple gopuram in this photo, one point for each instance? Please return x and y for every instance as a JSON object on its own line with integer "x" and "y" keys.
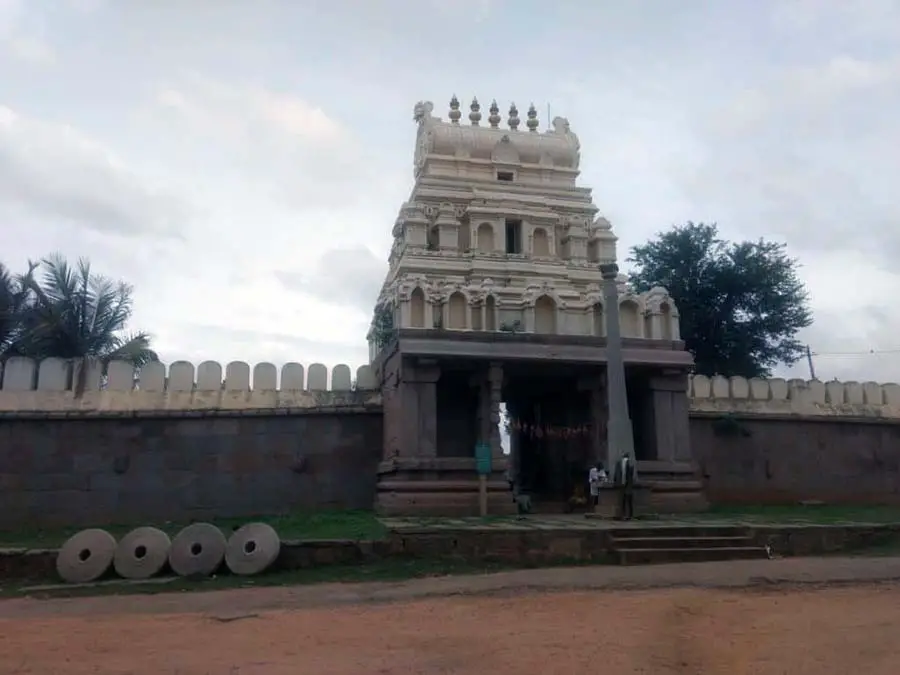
{"x": 493, "y": 312}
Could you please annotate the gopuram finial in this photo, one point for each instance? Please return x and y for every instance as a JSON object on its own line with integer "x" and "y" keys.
{"x": 475, "y": 115}
{"x": 454, "y": 114}
{"x": 494, "y": 117}
{"x": 532, "y": 122}
{"x": 513, "y": 120}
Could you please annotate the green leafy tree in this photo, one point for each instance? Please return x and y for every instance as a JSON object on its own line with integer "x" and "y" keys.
{"x": 741, "y": 303}
{"x": 68, "y": 312}
{"x": 383, "y": 325}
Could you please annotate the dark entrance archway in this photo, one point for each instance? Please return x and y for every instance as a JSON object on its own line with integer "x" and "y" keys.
{"x": 550, "y": 430}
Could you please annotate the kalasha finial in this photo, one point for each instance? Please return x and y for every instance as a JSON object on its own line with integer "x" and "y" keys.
{"x": 475, "y": 115}
{"x": 455, "y": 114}
{"x": 513, "y": 120}
{"x": 494, "y": 117}
{"x": 532, "y": 122}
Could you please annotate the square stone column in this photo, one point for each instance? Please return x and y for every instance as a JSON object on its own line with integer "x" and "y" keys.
{"x": 619, "y": 432}
{"x": 595, "y": 386}
{"x": 495, "y": 394}
{"x": 419, "y": 397}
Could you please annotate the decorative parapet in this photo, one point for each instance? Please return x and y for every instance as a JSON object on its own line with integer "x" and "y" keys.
{"x": 427, "y": 302}
{"x": 777, "y": 396}
{"x": 26, "y": 385}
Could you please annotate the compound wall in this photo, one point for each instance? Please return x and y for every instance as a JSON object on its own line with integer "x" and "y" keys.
{"x": 183, "y": 443}
{"x": 784, "y": 441}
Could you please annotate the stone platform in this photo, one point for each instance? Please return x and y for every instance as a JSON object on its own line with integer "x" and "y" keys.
{"x": 544, "y": 540}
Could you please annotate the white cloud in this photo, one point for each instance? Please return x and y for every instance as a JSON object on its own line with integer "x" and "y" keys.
{"x": 240, "y": 112}
{"x": 86, "y": 6}
{"x": 10, "y": 16}
{"x": 838, "y": 20}
{"x": 31, "y": 50}
{"x": 810, "y": 152}
{"x": 55, "y": 171}
{"x": 809, "y": 157}
{"x": 19, "y": 41}
{"x": 349, "y": 276}
{"x": 302, "y": 155}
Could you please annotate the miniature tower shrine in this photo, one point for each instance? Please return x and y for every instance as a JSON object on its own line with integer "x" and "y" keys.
{"x": 494, "y": 296}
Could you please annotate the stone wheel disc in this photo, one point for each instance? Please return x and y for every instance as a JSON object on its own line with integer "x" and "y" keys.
{"x": 86, "y": 556}
{"x": 252, "y": 549}
{"x": 142, "y": 553}
{"x": 197, "y": 551}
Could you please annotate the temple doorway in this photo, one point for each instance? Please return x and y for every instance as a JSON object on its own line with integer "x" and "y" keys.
{"x": 549, "y": 427}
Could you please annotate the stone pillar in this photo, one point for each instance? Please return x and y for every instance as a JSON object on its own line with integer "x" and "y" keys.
{"x": 529, "y": 319}
{"x": 619, "y": 434}
{"x": 656, "y": 326}
{"x": 406, "y": 314}
{"x": 484, "y": 411}
{"x": 512, "y": 411}
{"x": 495, "y": 387}
{"x": 420, "y": 407}
{"x": 597, "y": 407}
{"x": 671, "y": 425}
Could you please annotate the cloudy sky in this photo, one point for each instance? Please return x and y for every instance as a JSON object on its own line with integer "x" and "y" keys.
{"x": 241, "y": 162}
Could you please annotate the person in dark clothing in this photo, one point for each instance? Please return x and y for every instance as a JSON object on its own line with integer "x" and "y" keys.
{"x": 626, "y": 477}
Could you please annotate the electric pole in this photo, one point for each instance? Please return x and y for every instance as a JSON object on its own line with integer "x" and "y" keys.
{"x": 809, "y": 361}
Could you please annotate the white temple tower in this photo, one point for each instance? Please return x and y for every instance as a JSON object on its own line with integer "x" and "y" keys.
{"x": 493, "y": 298}
{"x": 497, "y": 236}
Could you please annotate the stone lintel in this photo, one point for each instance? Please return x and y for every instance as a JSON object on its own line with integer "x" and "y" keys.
{"x": 447, "y": 346}
{"x": 670, "y": 382}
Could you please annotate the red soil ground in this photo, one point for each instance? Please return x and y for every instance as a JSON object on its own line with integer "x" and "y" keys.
{"x": 339, "y": 630}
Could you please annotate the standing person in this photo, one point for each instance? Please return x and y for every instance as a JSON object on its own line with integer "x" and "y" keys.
{"x": 596, "y": 477}
{"x": 626, "y": 477}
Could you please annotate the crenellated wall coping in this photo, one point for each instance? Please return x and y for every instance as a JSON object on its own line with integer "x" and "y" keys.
{"x": 28, "y": 386}
{"x": 20, "y": 374}
{"x": 778, "y": 396}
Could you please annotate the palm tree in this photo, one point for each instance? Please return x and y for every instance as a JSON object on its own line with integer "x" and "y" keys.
{"x": 74, "y": 314}
{"x": 15, "y": 296}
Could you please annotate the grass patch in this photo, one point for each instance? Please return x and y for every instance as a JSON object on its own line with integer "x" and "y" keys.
{"x": 819, "y": 514}
{"x": 355, "y": 525}
{"x": 387, "y": 570}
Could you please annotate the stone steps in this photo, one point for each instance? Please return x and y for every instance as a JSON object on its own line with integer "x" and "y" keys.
{"x": 671, "y": 543}
{"x": 647, "y": 546}
{"x": 627, "y": 531}
{"x": 655, "y": 556}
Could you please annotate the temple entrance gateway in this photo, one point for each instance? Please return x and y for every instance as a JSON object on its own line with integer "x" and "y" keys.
{"x": 550, "y": 431}
{"x": 494, "y": 293}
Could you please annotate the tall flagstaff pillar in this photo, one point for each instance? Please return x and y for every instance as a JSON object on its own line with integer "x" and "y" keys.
{"x": 619, "y": 434}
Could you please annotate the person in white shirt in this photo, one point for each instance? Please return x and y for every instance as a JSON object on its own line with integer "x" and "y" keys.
{"x": 596, "y": 477}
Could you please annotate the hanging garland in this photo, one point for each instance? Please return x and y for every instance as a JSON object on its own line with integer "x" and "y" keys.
{"x": 545, "y": 431}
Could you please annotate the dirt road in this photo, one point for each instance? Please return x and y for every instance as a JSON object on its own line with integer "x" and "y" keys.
{"x": 519, "y": 622}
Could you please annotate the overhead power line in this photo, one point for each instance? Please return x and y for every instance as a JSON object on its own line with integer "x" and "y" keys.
{"x": 870, "y": 352}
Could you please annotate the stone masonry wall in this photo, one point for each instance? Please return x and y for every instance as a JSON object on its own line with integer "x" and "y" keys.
{"x": 183, "y": 443}
{"x": 782, "y": 441}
